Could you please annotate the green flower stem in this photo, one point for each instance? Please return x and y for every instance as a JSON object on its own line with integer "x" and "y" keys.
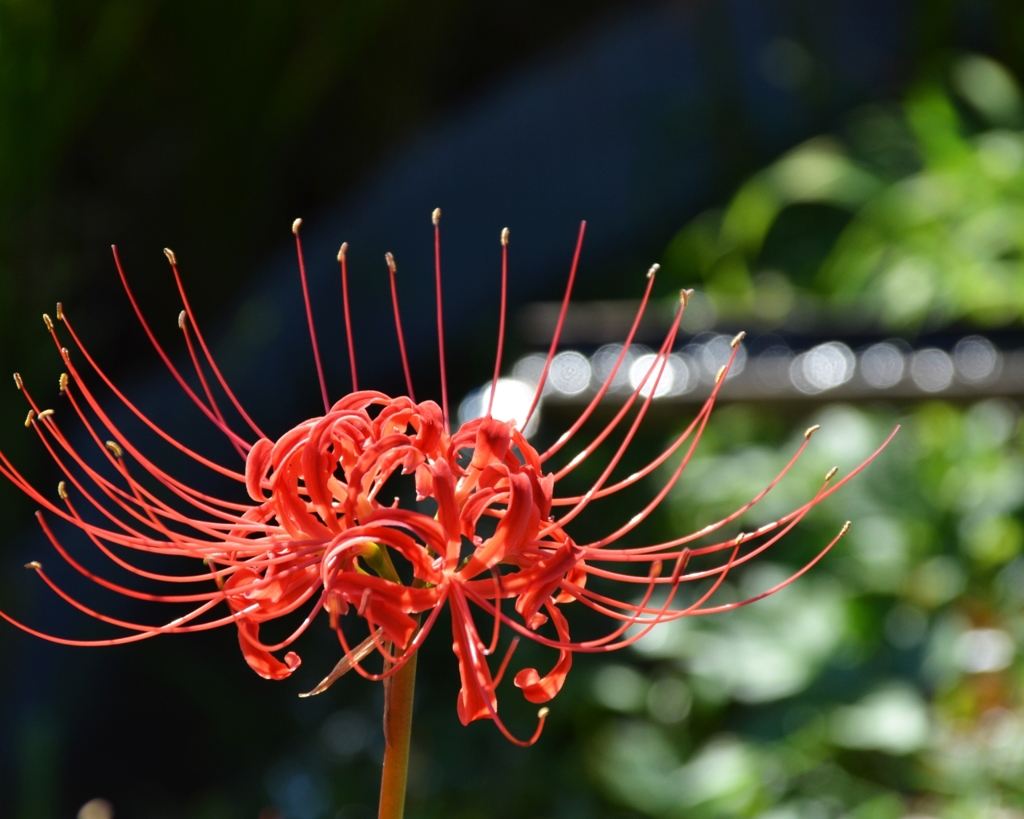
{"x": 398, "y": 698}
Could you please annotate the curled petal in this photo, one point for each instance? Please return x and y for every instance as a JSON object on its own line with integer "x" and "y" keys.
{"x": 543, "y": 689}
{"x": 436, "y": 480}
{"x": 383, "y": 603}
{"x": 577, "y": 576}
{"x": 492, "y": 442}
{"x": 518, "y": 526}
{"x": 476, "y": 696}
{"x": 277, "y": 593}
{"x": 259, "y": 659}
{"x": 256, "y": 466}
{"x": 538, "y": 583}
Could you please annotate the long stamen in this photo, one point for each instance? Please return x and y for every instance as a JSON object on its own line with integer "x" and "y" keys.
{"x": 183, "y": 326}
{"x": 661, "y": 615}
{"x": 202, "y": 343}
{"x": 734, "y": 515}
{"x": 135, "y": 410}
{"x": 107, "y": 584}
{"x": 215, "y": 574}
{"x": 200, "y": 500}
{"x": 156, "y": 346}
{"x": 791, "y": 522}
{"x": 398, "y": 324}
{"x": 778, "y": 587}
{"x": 586, "y": 596}
{"x": 501, "y": 320}
{"x": 566, "y": 436}
{"x": 436, "y": 219}
{"x": 309, "y": 315}
{"x": 175, "y": 626}
{"x": 500, "y": 674}
{"x": 558, "y": 327}
{"x": 659, "y": 364}
{"x": 833, "y": 488}
{"x": 660, "y": 360}
{"x": 125, "y": 502}
{"x": 343, "y": 259}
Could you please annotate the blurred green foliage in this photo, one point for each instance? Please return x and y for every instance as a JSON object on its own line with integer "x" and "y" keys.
{"x": 916, "y": 215}
{"x": 887, "y": 682}
{"x": 881, "y": 683}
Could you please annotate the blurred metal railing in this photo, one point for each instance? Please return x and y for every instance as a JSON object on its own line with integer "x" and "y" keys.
{"x": 813, "y": 362}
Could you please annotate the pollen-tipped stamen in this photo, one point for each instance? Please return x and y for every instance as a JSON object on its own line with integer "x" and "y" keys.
{"x": 392, "y": 271}
{"x": 309, "y": 315}
{"x": 343, "y": 261}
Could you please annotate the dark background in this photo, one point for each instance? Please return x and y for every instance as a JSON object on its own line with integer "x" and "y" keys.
{"x": 208, "y": 127}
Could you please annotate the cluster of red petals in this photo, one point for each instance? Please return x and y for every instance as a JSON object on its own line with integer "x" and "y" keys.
{"x": 321, "y": 483}
{"x": 319, "y": 532}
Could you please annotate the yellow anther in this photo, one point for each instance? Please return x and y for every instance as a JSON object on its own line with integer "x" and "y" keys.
{"x": 35, "y": 564}
{"x": 811, "y": 430}
{"x": 47, "y": 321}
{"x": 720, "y": 374}
{"x": 115, "y": 448}
{"x": 654, "y": 268}
{"x": 543, "y": 713}
{"x": 737, "y": 339}
{"x": 831, "y": 473}
{"x": 18, "y": 382}
{"x": 62, "y": 490}
{"x": 170, "y": 256}
{"x": 29, "y": 417}
{"x": 296, "y": 225}
{"x": 60, "y": 312}
{"x": 684, "y": 296}
{"x": 739, "y": 539}
{"x": 181, "y": 320}
{"x": 46, "y": 413}
{"x": 504, "y": 236}
{"x": 845, "y": 529}
{"x": 342, "y": 251}
{"x": 435, "y": 217}
{"x": 63, "y": 382}
{"x": 391, "y": 262}
{"x": 65, "y": 354}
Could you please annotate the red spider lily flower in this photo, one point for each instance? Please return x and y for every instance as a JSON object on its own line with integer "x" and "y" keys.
{"x": 315, "y": 535}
